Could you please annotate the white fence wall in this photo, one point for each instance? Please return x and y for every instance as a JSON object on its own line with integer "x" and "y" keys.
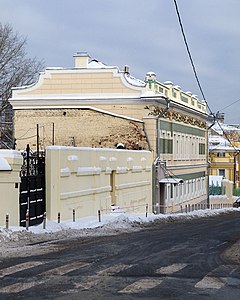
{"x": 90, "y": 179}
{"x": 10, "y": 165}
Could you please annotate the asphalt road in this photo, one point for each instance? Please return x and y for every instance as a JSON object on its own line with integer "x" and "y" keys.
{"x": 178, "y": 260}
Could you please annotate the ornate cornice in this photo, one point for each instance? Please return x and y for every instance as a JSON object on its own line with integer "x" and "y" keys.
{"x": 170, "y": 114}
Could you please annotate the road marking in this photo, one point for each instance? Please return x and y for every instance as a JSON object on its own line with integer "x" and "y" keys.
{"x": 18, "y": 287}
{"x": 35, "y": 281}
{"x": 168, "y": 270}
{"x": 114, "y": 269}
{"x": 217, "y": 278}
{"x": 65, "y": 269}
{"x": 209, "y": 282}
{"x": 19, "y": 267}
{"x": 91, "y": 281}
{"x": 140, "y": 286}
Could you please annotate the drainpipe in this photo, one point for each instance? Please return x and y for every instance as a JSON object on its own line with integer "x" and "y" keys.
{"x": 234, "y": 172}
{"x": 154, "y": 183}
{"x": 235, "y": 169}
{"x": 211, "y": 118}
{"x": 208, "y": 169}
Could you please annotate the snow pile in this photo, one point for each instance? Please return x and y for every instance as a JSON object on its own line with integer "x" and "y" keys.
{"x": 112, "y": 223}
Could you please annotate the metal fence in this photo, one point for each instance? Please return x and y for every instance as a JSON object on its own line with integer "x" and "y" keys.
{"x": 236, "y": 192}
{"x": 217, "y": 190}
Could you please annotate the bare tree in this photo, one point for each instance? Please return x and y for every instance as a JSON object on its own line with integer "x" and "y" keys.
{"x": 16, "y": 69}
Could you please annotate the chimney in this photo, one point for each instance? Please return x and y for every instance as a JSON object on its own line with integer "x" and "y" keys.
{"x": 81, "y": 59}
{"x": 126, "y": 69}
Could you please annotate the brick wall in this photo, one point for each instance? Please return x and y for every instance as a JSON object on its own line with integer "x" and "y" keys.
{"x": 82, "y": 128}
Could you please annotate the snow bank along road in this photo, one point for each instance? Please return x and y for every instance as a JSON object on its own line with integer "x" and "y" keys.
{"x": 167, "y": 259}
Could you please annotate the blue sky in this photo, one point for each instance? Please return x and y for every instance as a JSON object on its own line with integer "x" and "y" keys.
{"x": 142, "y": 34}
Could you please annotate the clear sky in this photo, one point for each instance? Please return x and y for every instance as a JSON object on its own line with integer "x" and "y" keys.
{"x": 142, "y": 34}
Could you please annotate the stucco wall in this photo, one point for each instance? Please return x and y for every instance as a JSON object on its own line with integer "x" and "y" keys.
{"x": 65, "y": 82}
{"x": 9, "y": 186}
{"x": 92, "y": 179}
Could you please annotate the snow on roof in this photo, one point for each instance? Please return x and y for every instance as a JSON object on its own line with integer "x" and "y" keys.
{"x": 223, "y": 148}
{"x": 217, "y": 142}
{"x": 4, "y": 165}
{"x": 134, "y": 81}
{"x": 95, "y": 64}
{"x": 168, "y": 82}
{"x": 224, "y": 127}
{"x": 54, "y": 68}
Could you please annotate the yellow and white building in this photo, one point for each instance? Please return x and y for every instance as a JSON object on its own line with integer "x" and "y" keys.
{"x": 224, "y": 152}
{"x": 95, "y": 105}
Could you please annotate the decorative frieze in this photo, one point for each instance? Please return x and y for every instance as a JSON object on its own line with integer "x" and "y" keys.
{"x": 170, "y": 114}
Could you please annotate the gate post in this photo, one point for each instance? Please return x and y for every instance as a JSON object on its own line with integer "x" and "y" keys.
{"x": 44, "y": 220}
{"x": 27, "y": 219}
{"x": 7, "y": 221}
{"x": 28, "y": 179}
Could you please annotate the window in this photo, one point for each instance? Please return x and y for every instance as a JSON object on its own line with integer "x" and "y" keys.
{"x": 168, "y": 191}
{"x": 184, "y": 99}
{"x": 221, "y": 172}
{"x": 181, "y": 189}
{"x": 201, "y": 148}
{"x": 171, "y": 195}
{"x": 160, "y": 89}
{"x": 174, "y": 94}
{"x": 166, "y": 146}
{"x": 221, "y": 154}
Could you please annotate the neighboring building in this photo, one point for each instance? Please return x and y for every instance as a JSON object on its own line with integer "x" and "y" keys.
{"x": 224, "y": 152}
{"x": 100, "y": 106}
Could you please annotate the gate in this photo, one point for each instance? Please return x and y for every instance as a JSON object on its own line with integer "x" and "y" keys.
{"x": 32, "y": 188}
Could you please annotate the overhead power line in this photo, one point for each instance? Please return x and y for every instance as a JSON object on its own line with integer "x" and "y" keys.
{"x": 190, "y": 56}
{"x": 229, "y": 105}
{"x": 215, "y": 119}
{"x": 226, "y": 136}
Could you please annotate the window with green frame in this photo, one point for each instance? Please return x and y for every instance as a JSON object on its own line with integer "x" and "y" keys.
{"x": 174, "y": 94}
{"x": 184, "y": 99}
{"x": 201, "y": 148}
{"x": 166, "y": 146}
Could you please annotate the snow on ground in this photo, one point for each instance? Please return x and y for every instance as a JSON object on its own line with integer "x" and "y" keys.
{"x": 112, "y": 223}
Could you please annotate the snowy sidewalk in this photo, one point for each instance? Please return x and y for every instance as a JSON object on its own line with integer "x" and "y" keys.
{"x": 116, "y": 221}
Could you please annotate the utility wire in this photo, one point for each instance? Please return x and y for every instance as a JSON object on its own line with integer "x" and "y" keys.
{"x": 28, "y": 137}
{"x": 226, "y": 135}
{"x": 198, "y": 81}
{"x": 229, "y": 105}
{"x": 33, "y": 128}
{"x": 190, "y": 56}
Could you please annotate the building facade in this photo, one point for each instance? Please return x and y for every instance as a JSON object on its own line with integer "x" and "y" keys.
{"x": 224, "y": 152}
{"x": 100, "y": 106}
